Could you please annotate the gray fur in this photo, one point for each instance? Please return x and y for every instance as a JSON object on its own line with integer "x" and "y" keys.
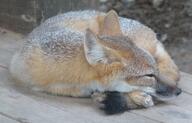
{"x": 60, "y": 42}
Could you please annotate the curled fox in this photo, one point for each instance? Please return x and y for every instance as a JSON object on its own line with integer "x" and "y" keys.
{"x": 117, "y": 61}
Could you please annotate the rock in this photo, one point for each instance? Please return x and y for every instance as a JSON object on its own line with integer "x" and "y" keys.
{"x": 188, "y": 8}
{"x": 184, "y": 40}
{"x": 164, "y": 37}
{"x": 157, "y": 3}
{"x": 118, "y": 6}
{"x": 103, "y": 7}
{"x": 161, "y": 37}
{"x": 167, "y": 25}
{"x": 124, "y": 13}
{"x": 128, "y": 3}
{"x": 103, "y": 1}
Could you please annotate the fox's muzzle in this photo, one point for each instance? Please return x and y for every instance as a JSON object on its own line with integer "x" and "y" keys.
{"x": 166, "y": 90}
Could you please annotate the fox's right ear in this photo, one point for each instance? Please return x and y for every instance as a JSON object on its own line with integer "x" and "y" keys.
{"x": 95, "y": 52}
{"x": 111, "y": 25}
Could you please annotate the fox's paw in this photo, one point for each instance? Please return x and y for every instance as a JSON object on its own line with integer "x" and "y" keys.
{"x": 111, "y": 102}
{"x": 141, "y": 99}
{"x": 98, "y": 97}
{"x": 117, "y": 102}
{"x": 148, "y": 101}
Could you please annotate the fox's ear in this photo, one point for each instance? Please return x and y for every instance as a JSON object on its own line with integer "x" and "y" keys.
{"x": 111, "y": 24}
{"x": 95, "y": 52}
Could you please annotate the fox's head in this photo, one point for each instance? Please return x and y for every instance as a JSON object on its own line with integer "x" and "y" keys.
{"x": 116, "y": 58}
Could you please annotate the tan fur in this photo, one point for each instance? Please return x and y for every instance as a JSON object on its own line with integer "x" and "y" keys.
{"x": 129, "y": 54}
{"x": 71, "y": 91}
{"x": 110, "y": 24}
{"x": 141, "y": 38}
{"x": 37, "y": 66}
{"x": 167, "y": 67}
{"x": 83, "y": 25}
{"x": 140, "y": 99}
{"x": 43, "y": 75}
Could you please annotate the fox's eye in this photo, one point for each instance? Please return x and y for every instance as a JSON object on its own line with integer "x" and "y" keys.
{"x": 150, "y": 75}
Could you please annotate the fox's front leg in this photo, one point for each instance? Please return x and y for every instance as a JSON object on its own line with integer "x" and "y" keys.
{"x": 139, "y": 99}
{"x": 116, "y": 102}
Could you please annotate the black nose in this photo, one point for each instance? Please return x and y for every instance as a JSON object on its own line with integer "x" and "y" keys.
{"x": 178, "y": 91}
{"x": 166, "y": 90}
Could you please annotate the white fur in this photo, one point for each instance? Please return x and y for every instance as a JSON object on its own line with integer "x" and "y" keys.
{"x": 117, "y": 85}
{"x": 160, "y": 50}
{"x": 86, "y": 90}
{"x": 148, "y": 90}
{"x": 95, "y": 55}
{"x": 148, "y": 101}
{"x": 96, "y": 86}
{"x": 94, "y": 52}
{"x": 18, "y": 70}
{"x": 121, "y": 86}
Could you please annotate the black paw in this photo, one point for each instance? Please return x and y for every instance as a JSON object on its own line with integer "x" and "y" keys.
{"x": 114, "y": 103}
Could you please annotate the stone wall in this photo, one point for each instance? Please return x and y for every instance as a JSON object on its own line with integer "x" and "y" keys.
{"x": 23, "y": 15}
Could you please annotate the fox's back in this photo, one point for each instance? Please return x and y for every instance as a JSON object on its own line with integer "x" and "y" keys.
{"x": 68, "y": 31}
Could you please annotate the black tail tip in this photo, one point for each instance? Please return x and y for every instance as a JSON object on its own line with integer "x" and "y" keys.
{"x": 114, "y": 103}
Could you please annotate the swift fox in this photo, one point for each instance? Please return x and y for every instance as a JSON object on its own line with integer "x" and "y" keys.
{"x": 117, "y": 61}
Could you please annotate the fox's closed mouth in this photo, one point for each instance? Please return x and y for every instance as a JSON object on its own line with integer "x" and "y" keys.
{"x": 157, "y": 97}
{"x": 166, "y": 96}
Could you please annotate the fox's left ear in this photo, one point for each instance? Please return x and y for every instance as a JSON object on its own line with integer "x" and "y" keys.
{"x": 95, "y": 52}
{"x": 111, "y": 25}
